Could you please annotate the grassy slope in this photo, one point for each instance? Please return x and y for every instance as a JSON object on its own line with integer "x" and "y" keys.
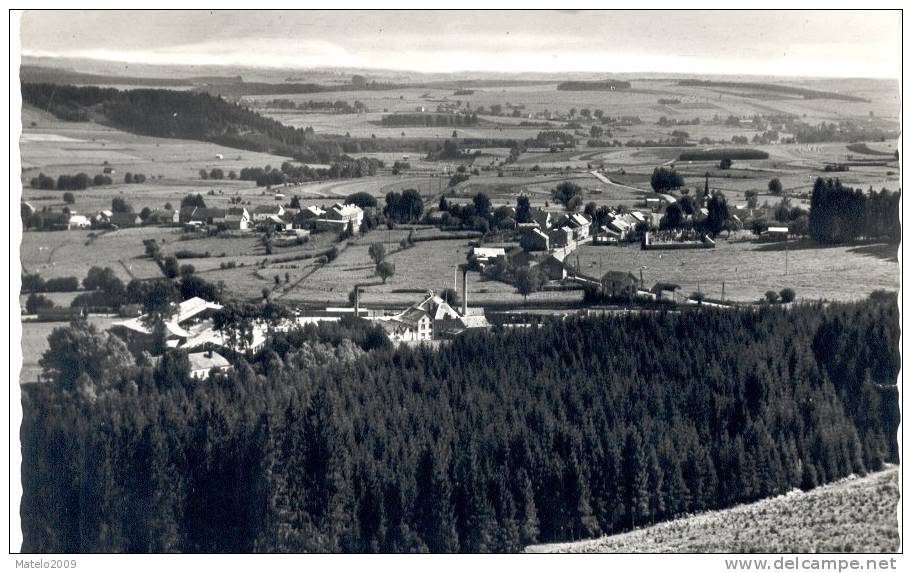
{"x": 853, "y": 515}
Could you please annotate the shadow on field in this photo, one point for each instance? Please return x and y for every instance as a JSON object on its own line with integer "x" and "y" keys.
{"x": 799, "y": 245}
{"x": 882, "y": 251}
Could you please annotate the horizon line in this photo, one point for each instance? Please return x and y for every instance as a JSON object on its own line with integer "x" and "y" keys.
{"x": 45, "y": 55}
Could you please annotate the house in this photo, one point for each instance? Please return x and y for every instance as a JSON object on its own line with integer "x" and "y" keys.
{"x": 397, "y": 331}
{"x": 560, "y": 237}
{"x": 307, "y": 216}
{"x": 542, "y": 217}
{"x": 200, "y": 215}
{"x": 262, "y": 212}
{"x": 535, "y": 240}
{"x": 579, "y": 224}
{"x": 485, "y": 256}
{"x": 430, "y": 319}
{"x": 618, "y": 283}
{"x": 776, "y": 233}
{"x": 79, "y": 222}
{"x": 188, "y": 215}
{"x": 272, "y": 223}
{"x": 664, "y": 291}
{"x": 553, "y": 268}
{"x": 340, "y": 217}
{"x": 163, "y": 217}
{"x": 203, "y": 364}
{"x": 139, "y": 333}
{"x": 233, "y": 223}
{"x": 209, "y": 215}
{"x": 122, "y": 220}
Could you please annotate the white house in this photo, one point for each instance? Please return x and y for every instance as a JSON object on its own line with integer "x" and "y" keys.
{"x": 203, "y": 363}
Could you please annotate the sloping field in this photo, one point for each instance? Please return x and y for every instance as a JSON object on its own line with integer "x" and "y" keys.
{"x": 750, "y": 269}
{"x": 855, "y": 515}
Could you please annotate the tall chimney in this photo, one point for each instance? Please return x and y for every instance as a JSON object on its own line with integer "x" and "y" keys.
{"x": 465, "y": 291}
{"x": 357, "y": 294}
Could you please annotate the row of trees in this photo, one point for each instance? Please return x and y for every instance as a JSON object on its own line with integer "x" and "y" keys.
{"x": 80, "y": 181}
{"x": 841, "y": 214}
{"x": 487, "y": 444}
{"x": 404, "y": 207}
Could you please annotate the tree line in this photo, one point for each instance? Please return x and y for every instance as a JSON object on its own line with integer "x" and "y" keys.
{"x": 842, "y": 214}
{"x": 327, "y": 439}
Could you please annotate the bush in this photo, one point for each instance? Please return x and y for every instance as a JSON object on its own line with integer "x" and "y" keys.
{"x": 787, "y": 295}
{"x": 35, "y": 302}
{"x": 69, "y": 198}
{"x": 63, "y": 284}
{"x": 771, "y": 296}
{"x": 170, "y": 267}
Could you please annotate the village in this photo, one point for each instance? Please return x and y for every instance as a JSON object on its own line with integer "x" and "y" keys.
{"x": 532, "y": 251}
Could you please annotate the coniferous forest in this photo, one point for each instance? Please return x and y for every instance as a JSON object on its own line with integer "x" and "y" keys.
{"x": 497, "y": 440}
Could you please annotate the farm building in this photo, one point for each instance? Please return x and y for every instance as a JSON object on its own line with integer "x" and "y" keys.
{"x": 553, "y": 268}
{"x": 306, "y": 216}
{"x": 579, "y": 225}
{"x": 262, "y": 212}
{"x": 121, "y": 220}
{"x": 542, "y": 217}
{"x": 561, "y": 237}
{"x": 272, "y": 223}
{"x": 776, "y": 234}
{"x": 202, "y": 364}
{"x": 201, "y": 215}
{"x": 163, "y": 217}
{"x": 139, "y": 334}
{"x": 618, "y": 283}
{"x": 535, "y": 240}
{"x": 235, "y": 219}
{"x": 487, "y": 255}
{"x": 339, "y": 217}
{"x": 233, "y": 223}
{"x": 431, "y": 319}
{"x": 664, "y": 291}
{"x": 79, "y": 222}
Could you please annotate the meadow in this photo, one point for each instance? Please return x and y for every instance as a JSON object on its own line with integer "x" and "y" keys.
{"x": 853, "y": 515}
{"x": 750, "y": 269}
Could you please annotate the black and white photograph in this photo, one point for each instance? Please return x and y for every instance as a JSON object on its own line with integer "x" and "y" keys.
{"x": 457, "y": 281}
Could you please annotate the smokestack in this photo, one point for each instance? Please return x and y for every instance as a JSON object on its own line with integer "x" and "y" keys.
{"x": 465, "y": 291}
{"x": 357, "y": 301}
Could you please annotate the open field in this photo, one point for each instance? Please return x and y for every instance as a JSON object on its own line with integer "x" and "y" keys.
{"x": 854, "y": 515}
{"x": 750, "y": 269}
{"x": 427, "y": 265}
{"x": 642, "y": 100}
{"x": 54, "y": 147}
{"x": 72, "y": 253}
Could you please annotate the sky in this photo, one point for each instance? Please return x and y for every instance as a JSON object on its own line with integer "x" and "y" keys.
{"x": 781, "y": 43}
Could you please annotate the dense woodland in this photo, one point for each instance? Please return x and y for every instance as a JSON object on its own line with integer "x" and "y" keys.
{"x": 330, "y": 440}
{"x": 842, "y": 214}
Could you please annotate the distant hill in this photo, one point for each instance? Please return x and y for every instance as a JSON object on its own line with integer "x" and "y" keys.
{"x": 600, "y": 85}
{"x": 41, "y": 74}
{"x": 803, "y": 93}
{"x": 201, "y": 116}
{"x": 852, "y": 516}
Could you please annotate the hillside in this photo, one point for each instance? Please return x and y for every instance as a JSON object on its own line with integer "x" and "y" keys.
{"x": 852, "y": 515}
